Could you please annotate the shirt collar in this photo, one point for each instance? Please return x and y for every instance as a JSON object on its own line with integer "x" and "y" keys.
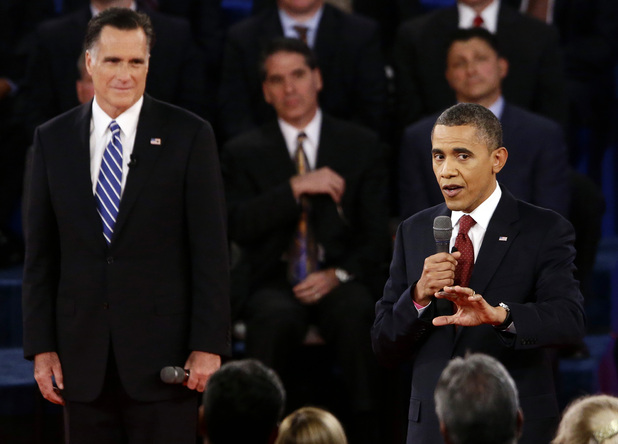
{"x": 489, "y": 15}
{"x": 288, "y": 23}
{"x": 497, "y": 107}
{"x": 483, "y": 213}
{"x": 127, "y": 121}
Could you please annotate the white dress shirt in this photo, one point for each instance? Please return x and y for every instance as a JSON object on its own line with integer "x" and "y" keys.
{"x": 288, "y": 23}
{"x": 489, "y": 16}
{"x": 100, "y": 135}
{"x": 311, "y": 143}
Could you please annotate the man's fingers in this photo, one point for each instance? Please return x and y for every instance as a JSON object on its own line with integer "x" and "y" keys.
{"x": 442, "y": 320}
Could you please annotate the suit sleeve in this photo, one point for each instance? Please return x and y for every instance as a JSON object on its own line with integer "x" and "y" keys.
{"x": 551, "y": 187}
{"x": 368, "y": 245}
{"x": 555, "y": 314}
{"x": 205, "y": 209}
{"x": 398, "y": 331}
{"x": 370, "y": 94}
{"x": 234, "y": 100}
{"x": 42, "y": 262}
{"x": 550, "y": 97}
{"x": 254, "y": 213}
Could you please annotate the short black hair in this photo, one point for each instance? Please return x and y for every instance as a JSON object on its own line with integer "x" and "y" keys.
{"x": 464, "y": 35}
{"x": 488, "y": 127}
{"x": 286, "y": 44}
{"x": 243, "y": 402}
{"x": 119, "y": 18}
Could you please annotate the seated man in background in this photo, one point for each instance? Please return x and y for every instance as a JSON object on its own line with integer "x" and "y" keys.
{"x": 348, "y": 49}
{"x": 537, "y": 170}
{"x": 307, "y": 204}
{"x": 243, "y": 403}
{"x": 536, "y": 81}
{"x": 476, "y": 402}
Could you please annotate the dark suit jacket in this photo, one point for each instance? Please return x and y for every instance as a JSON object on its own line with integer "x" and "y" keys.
{"x": 536, "y": 170}
{"x": 348, "y": 50}
{"x": 526, "y": 261}
{"x": 160, "y": 290}
{"x": 535, "y": 80}
{"x": 175, "y": 74}
{"x": 263, "y": 213}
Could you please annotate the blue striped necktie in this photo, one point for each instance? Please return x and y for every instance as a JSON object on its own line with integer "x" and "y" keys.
{"x": 109, "y": 184}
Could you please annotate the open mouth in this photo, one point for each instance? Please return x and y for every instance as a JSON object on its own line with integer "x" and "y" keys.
{"x": 451, "y": 190}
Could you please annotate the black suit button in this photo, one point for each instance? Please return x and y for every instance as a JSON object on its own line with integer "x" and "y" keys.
{"x": 110, "y": 260}
{"x": 105, "y": 306}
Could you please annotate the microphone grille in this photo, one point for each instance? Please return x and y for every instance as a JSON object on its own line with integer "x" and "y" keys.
{"x": 172, "y": 375}
{"x": 442, "y": 228}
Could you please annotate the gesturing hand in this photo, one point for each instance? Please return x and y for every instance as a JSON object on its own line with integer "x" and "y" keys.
{"x": 472, "y": 308}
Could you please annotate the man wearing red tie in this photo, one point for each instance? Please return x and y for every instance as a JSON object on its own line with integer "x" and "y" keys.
{"x": 508, "y": 291}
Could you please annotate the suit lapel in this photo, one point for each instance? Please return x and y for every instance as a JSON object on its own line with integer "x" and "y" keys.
{"x": 500, "y": 235}
{"x": 150, "y": 141}
{"x": 78, "y": 162}
{"x": 501, "y": 232}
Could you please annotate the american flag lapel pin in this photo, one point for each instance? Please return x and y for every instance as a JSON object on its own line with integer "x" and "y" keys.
{"x": 503, "y": 238}
{"x": 155, "y": 141}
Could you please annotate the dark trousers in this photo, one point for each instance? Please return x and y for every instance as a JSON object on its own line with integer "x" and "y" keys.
{"x": 277, "y": 323}
{"x": 115, "y": 418}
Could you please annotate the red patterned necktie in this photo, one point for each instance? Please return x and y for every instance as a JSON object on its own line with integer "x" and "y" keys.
{"x": 465, "y": 263}
{"x": 302, "y": 258}
{"x": 478, "y": 21}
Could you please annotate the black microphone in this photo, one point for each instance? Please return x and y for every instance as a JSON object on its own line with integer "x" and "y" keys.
{"x": 133, "y": 162}
{"x": 174, "y": 375}
{"x": 442, "y": 230}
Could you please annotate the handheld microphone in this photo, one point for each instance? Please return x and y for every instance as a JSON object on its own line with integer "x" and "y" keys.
{"x": 174, "y": 375}
{"x": 133, "y": 162}
{"x": 442, "y": 230}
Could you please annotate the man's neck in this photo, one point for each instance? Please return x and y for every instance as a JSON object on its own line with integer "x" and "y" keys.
{"x": 301, "y": 15}
{"x": 486, "y": 101}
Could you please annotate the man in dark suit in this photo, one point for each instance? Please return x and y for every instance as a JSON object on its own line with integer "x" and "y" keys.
{"x": 537, "y": 171}
{"x": 335, "y": 209}
{"x": 111, "y": 298}
{"x": 536, "y": 77}
{"x": 348, "y": 49}
{"x": 176, "y": 74}
{"x": 510, "y": 283}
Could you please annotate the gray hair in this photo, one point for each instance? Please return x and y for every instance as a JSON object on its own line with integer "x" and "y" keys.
{"x": 476, "y": 400}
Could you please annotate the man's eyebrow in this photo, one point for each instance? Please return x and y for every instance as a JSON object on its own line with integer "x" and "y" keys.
{"x": 462, "y": 150}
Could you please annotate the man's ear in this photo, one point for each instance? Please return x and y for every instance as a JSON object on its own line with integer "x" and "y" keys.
{"x": 520, "y": 422}
{"x": 88, "y": 60}
{"x": 499, "y": 157}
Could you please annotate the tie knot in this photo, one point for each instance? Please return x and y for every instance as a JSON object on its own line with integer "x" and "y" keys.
{"x": 465, "y": 223}
{"x": 478, "y": 21}
{"x": 114, "y": 127}
{"x": 301, "y": 137}
{"x": 302, "y": 32}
